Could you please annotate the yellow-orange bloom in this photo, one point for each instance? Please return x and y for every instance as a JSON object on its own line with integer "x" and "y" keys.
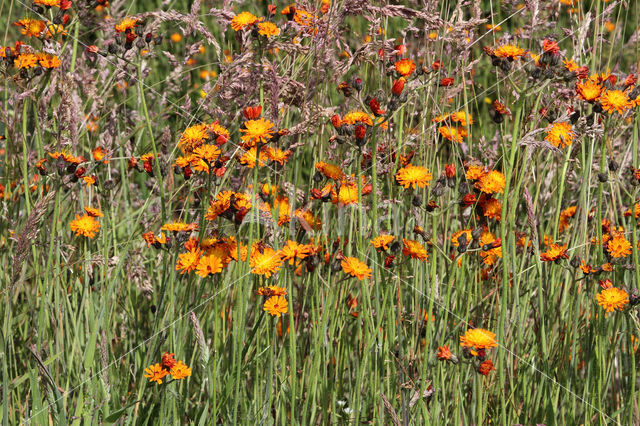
{"x": 85, "y": 226}
{"x": 414, "y": 176}
{"x": 560, "y": 134}
{"x": 276, "y": 306}
{"x": 266, "y": 263}
{"x": 478, "y": 338}
{"x": 615, "y": 100}
{"x": 612, "y": 299}
{"x": 155, "y": 373}
{"x": 355, "y": 268}
{"x": 244, "y": 20}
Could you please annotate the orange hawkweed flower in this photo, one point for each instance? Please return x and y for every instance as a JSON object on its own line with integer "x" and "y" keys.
{"x": 555, "y": 252}
{"x": 560, "y": 134}
{"x": 589, "y": 90}
{"x": 453, "y": 133}
{"x": 294, "y": 250}
{"x": 509, "y": 51}
{"x": 615, "y": 100}
{"x": 381, "y": 242}
{"x": 612, "y": 299}
{"x": 414, "y": 249}
{"x": 209, "y": 265}
{"x": 266, "y": 263}
{"x": 355, "y": 268}
{"x": 478, "y": 338}
{"x": 85, "y": 225}
{"x": 188, "y": 261}
{"x": 180, "y": 371}
{"x": 486, "y": 367}
{"x": 329, "y": 170}
{"x": 413, "y": 176}
{"x": 30, "y": 27}
{"x": 244, "y": 20}
{"x": 492, "y": 182}
{"x": 276, "y": 306}
{"x": 155, "y": 373}
{"x": 618, "y": 246}
{"x": 405, "y": 67}
{"x": 268, "y": 29}
{"x": 257, "y": 131}
{"x": 93, "y": 212}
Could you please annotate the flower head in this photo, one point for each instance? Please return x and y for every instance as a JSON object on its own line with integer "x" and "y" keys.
{"x": 85, "y": 226}
{"x": 330, "y": 171}
{"x": 209, "y": 265}
{"x": 126, "y": 24}
{"x": 266, "y": 263}
{"x": 193, "y": 137}
{"x": 244, "y": 20}
{"x": 268, "y": 29}
{"x": 355, "y": 268}
{"x": 492, "y": 182}
{"x": 413, "y": 176}
{"x": 554, "y": 252}
{"x": 257, "y": 131}
{"x": 188, "y": 261}
{"x": 618, "y": 246}
{"x": 180, "y": 371}
{"x": 486, "y": 367}
{"x": 509, "y": 51}
{"x": 453, "y": 133}
{"x": 478, "y": 338}
{"x": 155, "y": 373}
{"x": 294, "y": 250}
{"x": 276, "y": 306}
{"x": 612, "y": 299}
{"x": 414, "y": 249}
{"x": 382, "y": 241}
{"x": 589, "y": 90}
{"x": 615, "y": 100}
{"x": 30, "y": 27}
{"x": 560, "y": 134}
{"x": 405, "y": 67}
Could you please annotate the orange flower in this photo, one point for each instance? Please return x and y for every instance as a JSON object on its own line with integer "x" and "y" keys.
{"x": 509, "y": 51}
{"x": 293, "y": 250}
{"x": 414, "y": 176}
{"x": 188, "y": 261}
{"x": 589, "y": 90}
{"x": 478, "y": 338}
{"x": 180, "y": 371}
{"x": 405, "y": 67}
{"x": 559, "y": 134}
{"x": 618, "y": 246}
{"x": 612, "y": 299}
{"x": 381, "y": 242}
{"x": 209, "y": 265}
{"x": 615, "y": 100}
{"x": 555, "y": 252}
{"x": 486, "y": 367}
{"x": 414, "y": 249}
{"x": 85, "y": 226}
{"x": 276, "y": 306}
{"x": 257, "y": 131}
{"x": 492, "y": 182}
{"x": 355, "y": 268}
{"x": 266, "y": 263}
{"x": 155, "y": 373}
{"x": 244, "y": 20}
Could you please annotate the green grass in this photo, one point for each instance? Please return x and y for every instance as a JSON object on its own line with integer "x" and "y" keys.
{"x": 83, "y": 317}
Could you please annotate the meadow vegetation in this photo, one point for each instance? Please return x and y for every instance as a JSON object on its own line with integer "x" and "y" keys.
{"x": 329, "y": 212}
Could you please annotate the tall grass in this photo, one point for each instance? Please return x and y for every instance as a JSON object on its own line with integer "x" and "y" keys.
{"x": 84, "y": 317}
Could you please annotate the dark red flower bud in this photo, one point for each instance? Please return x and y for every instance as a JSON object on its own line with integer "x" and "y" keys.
{"x": 360, "y": 131}
{"x": 336, "y": 121}
{"x": 450, "y": 170}
{"x": 252, "y": 113}
{"x": 398, "y": 86}
{"x": 446, "y": 82}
